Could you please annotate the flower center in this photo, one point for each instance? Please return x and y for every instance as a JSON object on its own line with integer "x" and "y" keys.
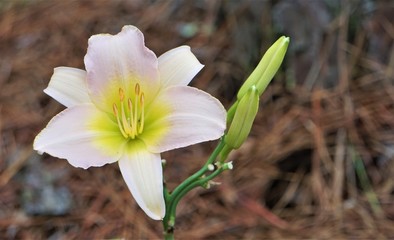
{"x": 130, "y": 114}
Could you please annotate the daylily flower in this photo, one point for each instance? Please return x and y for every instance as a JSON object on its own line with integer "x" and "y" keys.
{"x": 129, "y": 106}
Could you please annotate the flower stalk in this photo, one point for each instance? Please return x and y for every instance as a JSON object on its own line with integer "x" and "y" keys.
{"x": 240, "y": 117}
{"x": 196, "y": 180}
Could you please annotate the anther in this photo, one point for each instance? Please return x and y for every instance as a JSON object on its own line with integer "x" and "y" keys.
{"x": 121, "y": 94}
{"x": 137, "y": 89}
{"x": 115, "y": 109}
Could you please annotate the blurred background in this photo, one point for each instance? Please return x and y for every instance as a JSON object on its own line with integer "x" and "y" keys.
{"x": 319, "y": 161}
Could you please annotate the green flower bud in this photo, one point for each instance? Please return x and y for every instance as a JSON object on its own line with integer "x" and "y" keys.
{"x": 267, "y": 67}
{"x": 243, "y": 118}
{"x": 231, "y": 112}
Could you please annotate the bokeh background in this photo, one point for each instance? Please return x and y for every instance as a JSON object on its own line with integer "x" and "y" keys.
{"x": 319, "y": 161}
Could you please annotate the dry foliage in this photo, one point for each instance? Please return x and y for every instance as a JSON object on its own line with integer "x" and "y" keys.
{"x": 319, "y": 162}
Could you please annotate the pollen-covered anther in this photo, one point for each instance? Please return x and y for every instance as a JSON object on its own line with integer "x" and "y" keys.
{"x": 137, "y": 89}
{"x": 130, "y": 118}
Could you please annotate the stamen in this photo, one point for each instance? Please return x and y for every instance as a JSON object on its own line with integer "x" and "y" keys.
{"x": 130, "y": 105}
{"x": 116, "y": 113}
{"x": 142, "y": 120}
{"x": 135, "y": 122}
{"x": 130, "y": 108}
{"x": 130, "y": 118}
{"x": 126, "y": 125}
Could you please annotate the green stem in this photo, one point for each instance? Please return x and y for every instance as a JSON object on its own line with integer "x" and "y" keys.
{"x": 198, "y": 183}
{"x": 190, "y": 183}
{"x": 169, "y": 235}
{"x": 201, "y": 172}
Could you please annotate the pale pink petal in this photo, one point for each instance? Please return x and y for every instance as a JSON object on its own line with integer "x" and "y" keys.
{"x": 68, "y": 86}
{"x": 194, "y": 117}
{"x": 122, "y": 60}
{"x": 142, "y": 172}
{"x": 178, "y": 66}
{"x": 72, "y": 135}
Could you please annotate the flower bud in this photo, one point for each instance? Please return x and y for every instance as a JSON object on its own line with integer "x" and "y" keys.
{"x": 243, "y": 118}
{"x": 267, "y": 67}
{"x": 228, "y": 165}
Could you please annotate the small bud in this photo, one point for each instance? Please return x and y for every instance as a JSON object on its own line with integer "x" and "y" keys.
{"x": 243, "y": 119}
{"x": 266, "y": 69}
{"x": 211, "y": 167}
{"x": 228, "y": 166}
